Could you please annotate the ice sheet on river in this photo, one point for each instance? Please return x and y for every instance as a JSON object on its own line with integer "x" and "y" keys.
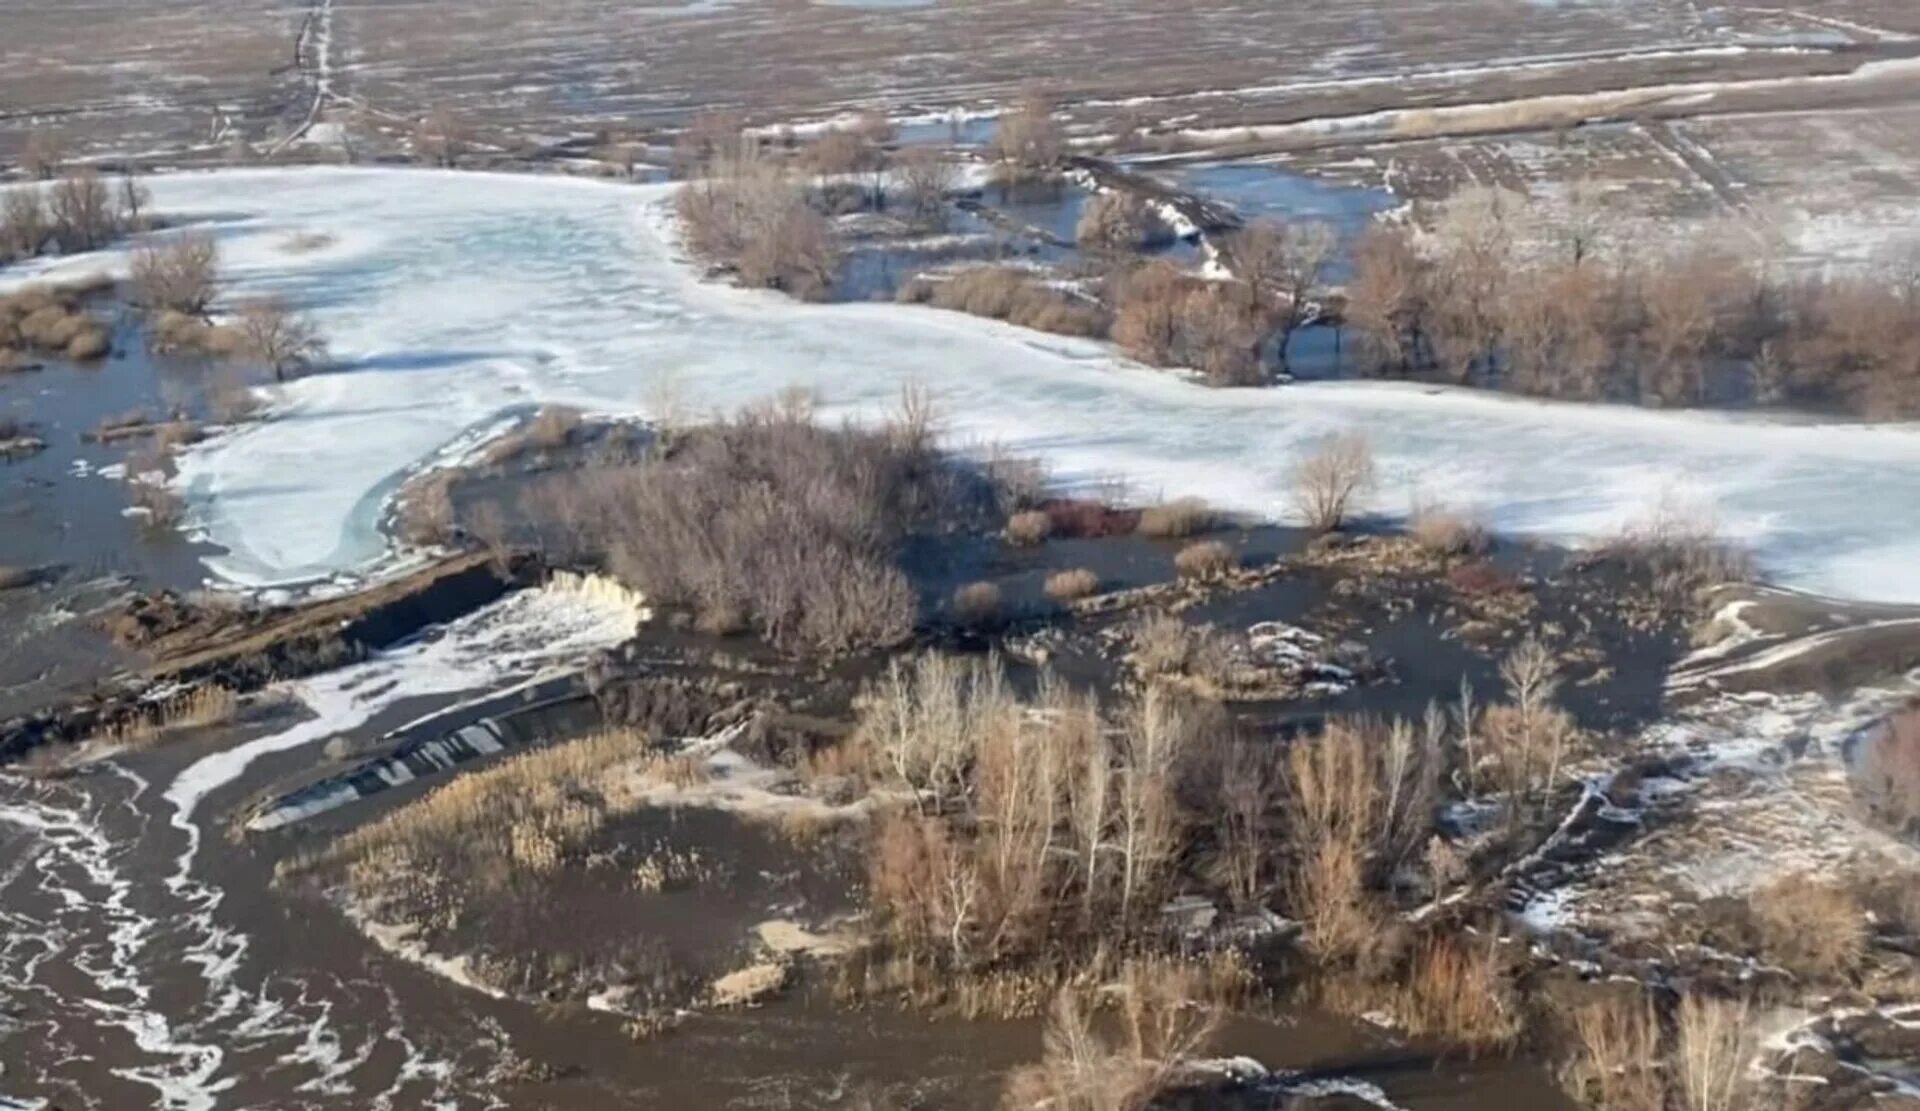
{"x": 451, "y": 298}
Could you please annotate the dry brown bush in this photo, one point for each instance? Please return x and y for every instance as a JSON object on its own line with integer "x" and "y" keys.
{"x": 769, "y": 522}
{"x": 1072, "y": 585}
{"x": 441, "y": 138}
{"x": 1029, "y": 528}
{"x": 1164, "y": 1022}
{"x": 1164, "y": 318}
{"x": 24, "y": 223}
{"x": 43, "y": 154}
{"x": 1459, "y": 990}
{"x": 1120, "y": 223}
{"x": 1328, "y": 481}
{"x": 1616, "y": 1060}
{"x": 176, "y": 274}
{"x": 1885, "y": 772}
{"x": 1813, "y": 927}
{"x": 977, "y": 605}
{"x": 1527, "y": 739}
{"x": 1443, "y": 532}
{"x": 1205, "y": 561}
{"x": 1013, "y": 294}
{"x": 1387, "y": 299}
{"x": 1176, "y": 520}
{"x": 1677, "y": 552}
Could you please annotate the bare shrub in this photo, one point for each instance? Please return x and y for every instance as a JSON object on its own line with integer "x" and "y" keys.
{"x": 1526, "y": 739}
{"x": 1205, "y": 561}
{"x": 925, "y": 178}
{"x": 1221, "y": 334}
{"x": 1327, "y": 482}
{"x": 83, "y": 212}
{"x": 1616, "y": 1059}
{"x": 24, "y": 223}
{"x": 1120, "y": 223}
{"x": 1176, "y": 520}
{"x": 768, "y": 522}
{"x": 1442, "y": 532}
{"x": 1885, "y": 772}
{"x": 1147, "y": 320}
{"x": 1012, "y": 294}
{"x": 1250, "y": 786}
{"x": 1677, "y": 552}
{"x": 977, "y": 605}
{"x": 1029, "y": 528}
{"x": 1072, "y": 585}
{"x": 135, "y": 200}
{"x": 283, "y": 340}
{"x": 1814, "y": 927}
{"x": 1472, "y": 263}
{"x": 1715, "y": 1043}
{"x": 176, "y": 274}
{"x": 1163, "y": 1025}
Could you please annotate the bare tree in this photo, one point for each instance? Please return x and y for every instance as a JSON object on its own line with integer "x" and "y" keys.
{"x": 1283, "y": 264}
{"x": 440, "y": 138}
{"x": 43, "y": 155}
{"x": 749, "y": 215}
{"x": 1327, "y": 482}
{"x": 83, "y": 213}
{"x": 1387, "y": 299}
{"x": 1147, "y": 318}
{"x": 1472, "y": 259}
{"x": 26, "y": 225}
{"x": 283, "y": 340}
{"x": 176, "y": 274}
{"x": 134, "y": 201}
{"x": 1029, "y": 140}
{"x": 925, "y": 178}
{"x": 1120, "y": 223}
{"x": 708, "y": 137}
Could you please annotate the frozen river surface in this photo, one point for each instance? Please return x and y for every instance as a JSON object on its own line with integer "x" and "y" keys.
{"x": 452, "y": 299}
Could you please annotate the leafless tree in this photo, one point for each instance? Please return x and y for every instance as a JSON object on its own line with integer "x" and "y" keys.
{"x": 1029, "y": 139}
{"x": 134, "y": 201}
{"x": 1120, "y": 223}
{"x": 1283, "y": 264}
{"x": 1328, "y": 481}
{"x": 83, "y": 212}
{"x": 925, "y": 178}
{"x": 26, "y": 225}
{"x": 1473, "y": 250}
{"x": 282, "y": 339}
{"x": 440, "y": 138}
{"x": 748, "y": 214}
{"x": 708, "y": 137}
{"x": 176, "y": 274}
{"x": 1387, "y": 299}
{"x": 43, "y": 155}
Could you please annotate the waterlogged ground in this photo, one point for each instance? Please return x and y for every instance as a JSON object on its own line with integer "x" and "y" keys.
{"x": 450, "y": 298}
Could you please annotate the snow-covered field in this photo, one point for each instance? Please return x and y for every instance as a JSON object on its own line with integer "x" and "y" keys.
{"x": 453, "y": 298}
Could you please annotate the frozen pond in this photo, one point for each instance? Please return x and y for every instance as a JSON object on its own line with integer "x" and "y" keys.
{"x": 451, "y": 298}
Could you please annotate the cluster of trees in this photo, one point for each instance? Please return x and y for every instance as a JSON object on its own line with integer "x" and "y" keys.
{"x": 767, "y": 217}
{"x": 1500, "y": 294}
{"x": 80, "y": 211}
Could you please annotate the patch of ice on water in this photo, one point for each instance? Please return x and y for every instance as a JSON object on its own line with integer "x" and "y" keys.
{"x": 465, "y": 295}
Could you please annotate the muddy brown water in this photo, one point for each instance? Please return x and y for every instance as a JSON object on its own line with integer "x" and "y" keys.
{"x": 133, "y": 984}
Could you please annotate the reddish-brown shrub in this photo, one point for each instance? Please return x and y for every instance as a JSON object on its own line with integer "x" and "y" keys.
{"x": 1481, "y": 578}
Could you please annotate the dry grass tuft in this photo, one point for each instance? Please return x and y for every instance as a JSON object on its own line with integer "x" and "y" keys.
{"x": 1163, "y": 1024}
{"x": 977, "y": 605}
{"x": 1716, "y": 1043}
{"x": 1441, "y": 532}
{"x": 1616, "y": 1059}
{"x": 1176, "y": 520}
{"x": 1029, "y": 528}
{"x": 1072, "y": 585}
{"x": 1205, "y": 561}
